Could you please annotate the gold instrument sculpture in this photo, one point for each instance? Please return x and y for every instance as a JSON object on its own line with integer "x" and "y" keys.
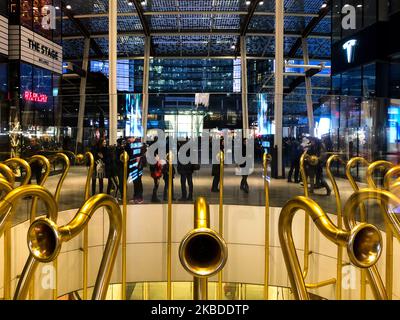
{"x": 394, "y": 171}
{"x": 313, "y": 161}
{"x": 351, "y": 164}
{"x": 5, "y": 226}
{"x": 202, "y": 252}
{"x": 45, "y": 238}
{"x": 221, "y": 212}
{"x": 124, "y": 159}
{"x": 266, "y": 158}
{"x": 80, "y": 158}
{"x": 66, "y": 166}
{"x": 386, "y": 165}
{"x": 7, "y": 174}
{"x": 391, "y": 221}
{"x": 363, "y": 242}
{"x": 13, "y": 162}
{"x": 169, "y": 231}
{"x": 7, "y": 207}
{"x": 339, "y": 214}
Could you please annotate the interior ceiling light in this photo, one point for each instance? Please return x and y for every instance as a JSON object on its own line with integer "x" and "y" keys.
{"x": 324, "y": 5}
{"x": 248, "y": 3}
{"x": 359, "y": 6}
{"x": 261, "y": 3}
{"x": 130, "y": 3}
{"x": 68, "y": 6}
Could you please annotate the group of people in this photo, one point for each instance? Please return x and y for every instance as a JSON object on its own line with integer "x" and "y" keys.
{"x": 314, "y": 171}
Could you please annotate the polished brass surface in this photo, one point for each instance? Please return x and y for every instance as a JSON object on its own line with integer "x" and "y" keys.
{"x": 339, "y": 214}
{"x": 8, "y": 205}
{"x": 66, "y": 166}
{"x": 169, "y": 231}
{"x": 221, "y": 212}
{"x": 80, "y": 158}
{"x": 394, "y": 171}
{"x": 124, "y": 159}
{"x": 391, "y": 221}
{"x": 5, "y": 228}
{"x": 266, "y": 159}
{"x": 202, "y": 252}
{"x": 21, "y": 163}
{"x": 7, "y": 174}
{"x": 45, "y": 238}
{"x": 363, "y": 242}
{"x": 385, "y": 165}
{"x": 351, "y": 164}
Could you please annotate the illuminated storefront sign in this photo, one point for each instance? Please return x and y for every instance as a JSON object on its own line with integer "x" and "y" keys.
{"x": 35, "y": 97}
{"x": 349, "y": 47}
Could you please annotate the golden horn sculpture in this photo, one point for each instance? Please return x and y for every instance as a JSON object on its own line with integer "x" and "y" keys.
{"x": 385, "y": 165}
{"x": 45, "y": 238}
{"x": 80, "y": 158}
{"x": 339, "y": 214}
{"x": 363, "y": 243}
{"x": 391, "y": 221}
{"x": 66, "y": 166}
{"x": 7, "y": 174}
{"x": 7, "y": 208}
{"x": 15, "y": 162}
{"x": 351, "y": 164}
{"x": 202, "y": 252}
{"x": 394, "y": 171}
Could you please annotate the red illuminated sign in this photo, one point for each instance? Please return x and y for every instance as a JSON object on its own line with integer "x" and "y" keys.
{"x": 35, "y": 97}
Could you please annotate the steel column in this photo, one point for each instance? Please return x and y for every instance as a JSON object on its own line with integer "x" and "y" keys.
{"x": 309, "y": 101}
{"x": 279, "y": 65}
{"x": 82, "y": 93}
{"x": 243, "y": 61}
{"x": 146, "y": 79}
{"x": 112, "y": 80}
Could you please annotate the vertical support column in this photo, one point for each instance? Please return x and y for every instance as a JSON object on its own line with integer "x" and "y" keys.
{"x": 278, "y": 103}
{"x": 82, "y": 94}
{"x": 243, "y": 60}
{"x": 112, "y": 79}
{"x": 309, "y": 102}
{"x": 146, "y": 78}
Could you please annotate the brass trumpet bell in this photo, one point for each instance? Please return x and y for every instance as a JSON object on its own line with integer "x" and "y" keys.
{"x": 44, "y": 240}
{"x": 365, "y": 245}
{"x": 203, "y": 253}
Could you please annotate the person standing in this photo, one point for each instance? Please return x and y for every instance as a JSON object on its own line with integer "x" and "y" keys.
{"x": 99, "y": 151}
{"x": 186, "y": 172}
{"x": 120, "y": 167}
{"x": 243, "y": 183}
{"x": 295, "y": 155}
{"x": 34, "y": 148}
{"x": 216, "y": 170}
{"x": 165, "y": 171}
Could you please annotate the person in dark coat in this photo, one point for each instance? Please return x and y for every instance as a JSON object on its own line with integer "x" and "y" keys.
{"x": 243, "y": 183}
{"x": 295, "y": 153}
{"x": 120, "y": 149}
{"x": 99, "y": 152}
{"x": 165, "y": 171}
{"x": 216, "y": 170}
{"x": 111, "y": 163}
{"x": 34, "y": 148}
{"x": 186, "y": 172}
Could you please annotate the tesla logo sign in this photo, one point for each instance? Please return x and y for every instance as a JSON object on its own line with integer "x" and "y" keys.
{"x": 349, "y": 47}
{"x": 35, "y": 97}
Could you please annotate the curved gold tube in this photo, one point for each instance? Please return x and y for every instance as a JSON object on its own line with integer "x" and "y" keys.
{"x": 80, "y": 158}
{"x": 66, "y": 166}
{"x": 389, "y": 176}
{"x": 169, "y": 231}
{"x": 266, "y": 159}
{"x": 7, "y": 207}
{"x": 7, "y": 174}
{"x": 363, "y": 243}
{"x": 221, "y": 212}
{"x": 22, "y": 164}
{"x": 124, "y": 159}
{"x": 380, "y": 164}
{"x": 339, "y": 214}
{"x": 392, "y": 224}
{"x": 45, "y": 238}
{"x": 202, "y": 252}
{"x": 350, "y": 164}
{"x": 386, "y": 165}
{"x": 312, "y": 160}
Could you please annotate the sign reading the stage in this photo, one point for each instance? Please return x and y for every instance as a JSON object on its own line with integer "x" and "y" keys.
{"x": 31, "y": 47}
